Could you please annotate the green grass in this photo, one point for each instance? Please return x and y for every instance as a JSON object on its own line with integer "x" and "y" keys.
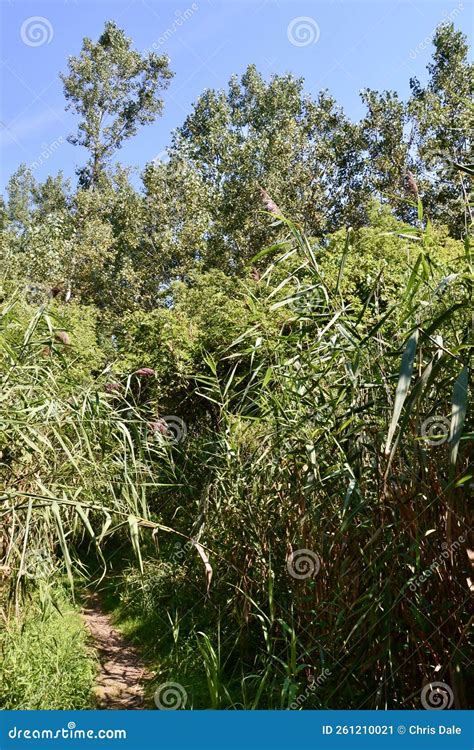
{"x": 314, "y": 442}
{"x": 45, "y": 662}
{"x": 183, "y": 643}
{"x": 144, "y": 609}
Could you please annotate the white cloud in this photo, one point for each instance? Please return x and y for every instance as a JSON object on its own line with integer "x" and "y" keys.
{"x": 15, "y": 131}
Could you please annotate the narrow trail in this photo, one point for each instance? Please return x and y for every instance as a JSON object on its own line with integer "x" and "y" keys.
{"x": 119, "y": 684}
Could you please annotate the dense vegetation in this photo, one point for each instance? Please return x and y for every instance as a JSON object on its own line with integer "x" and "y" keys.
{"x": 235, "y": 401}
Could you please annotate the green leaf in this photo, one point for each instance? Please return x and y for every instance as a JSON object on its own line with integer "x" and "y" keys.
{"x": 420, "y": 210}
{"x": 347, "y": 248}
{"x": 85, "y": 520}
{"x": 135, "y": 537}
{"x": 458, "y": 412}
{"x": 406, "y": 370}
{"x": 63, "y": 542}
{"x": 430, "y": 370}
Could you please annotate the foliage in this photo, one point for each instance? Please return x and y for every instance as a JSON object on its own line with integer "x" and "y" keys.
{"x": 200, "y": 317}
{"x": 318, "y": 367}
{"x": 442, "y": 115}
{"x": 44, "y": 661}
{"x": 378, "y": 256}
{"x": 71, "y": 462}
{"x": 323, "y": 445}
{"x": 114, "y": 89}
{"x": 200, "y": 207}
{"x": 271, "y": 135}
{"x": 301, "y": 466}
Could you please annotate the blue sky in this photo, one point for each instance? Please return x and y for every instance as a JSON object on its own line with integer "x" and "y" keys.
{"x": 342, "y": 45}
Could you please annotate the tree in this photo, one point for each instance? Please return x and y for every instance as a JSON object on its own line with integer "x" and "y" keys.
{"x": 386, "y": 141}
{"x": 305, "y": 153}
{"x": 19, "y": 191}
{"x": 444, "y": 126}
{"x": 51, "y": 196}
{"x": 114, "y": 89}
{"x": 177, "y": 222}
{"x": 3, "y": 214}
{"x": 202, "y": 209}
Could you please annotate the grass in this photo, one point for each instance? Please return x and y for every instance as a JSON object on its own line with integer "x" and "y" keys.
{"x": 317, "y": 445}
{"x": 45, "y": 661}
{"x": 144, "y": 608}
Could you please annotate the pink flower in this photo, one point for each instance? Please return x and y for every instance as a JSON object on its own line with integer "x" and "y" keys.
{"x": 62, "y": 337}
{"x": 410, "y": 184}
{"x": 159, "y": 425}
{"x": 112, "y": 387}
{"x": 269, "y": 204}
{"x": 145, "y": 372}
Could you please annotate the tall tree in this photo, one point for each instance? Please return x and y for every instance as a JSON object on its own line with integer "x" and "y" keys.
{"x": 386, "y": 141}
{"x": 19, "y": 191}
{"x": 444, "y": 119}
{"x": 177, "y": 223}
{"x": 114, "y": 89}
{"x": 271, "y": 135}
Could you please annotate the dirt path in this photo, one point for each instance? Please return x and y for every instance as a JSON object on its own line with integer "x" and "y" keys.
{"x": 119, "y": 684}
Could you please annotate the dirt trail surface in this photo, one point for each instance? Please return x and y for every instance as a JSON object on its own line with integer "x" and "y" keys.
{"x": 119, "y": 684}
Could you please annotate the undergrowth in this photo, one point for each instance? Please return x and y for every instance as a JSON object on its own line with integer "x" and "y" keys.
{"x": 45, "y": 661}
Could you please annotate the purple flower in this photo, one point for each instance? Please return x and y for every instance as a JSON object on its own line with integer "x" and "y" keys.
{"x": 159, "y": 425}
{"x": 410, "y": 184}
{"x": 145, "y": 372}
{"x": 112, "y": 387}
{"x": 269, "y": 204}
